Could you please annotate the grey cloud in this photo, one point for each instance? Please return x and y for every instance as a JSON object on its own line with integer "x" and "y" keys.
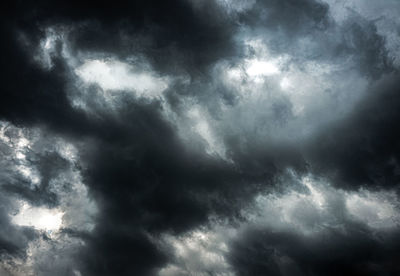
{"x": 248, "y": 92}
{"x": 361, "y": 150}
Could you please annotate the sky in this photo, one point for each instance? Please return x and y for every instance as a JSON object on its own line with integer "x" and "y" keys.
{"x": 200, "y": 137}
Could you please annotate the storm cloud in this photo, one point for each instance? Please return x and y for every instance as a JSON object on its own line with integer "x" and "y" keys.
{"x": 215, "y": 137}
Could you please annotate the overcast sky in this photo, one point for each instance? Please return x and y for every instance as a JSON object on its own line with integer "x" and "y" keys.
{"x": 200, "y": 137}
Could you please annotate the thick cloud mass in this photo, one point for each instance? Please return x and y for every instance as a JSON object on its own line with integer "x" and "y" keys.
{"x": 215, "y": 137}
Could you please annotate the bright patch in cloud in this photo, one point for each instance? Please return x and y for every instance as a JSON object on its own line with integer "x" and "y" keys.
{"x": 317, "y": 208}
{"x": 199, "y": 252}
{"x": 286, "y": 83}
{"x": 202, "y": 127}
{"x": 261, "y": 68}
{"x": 116, "y": 75}
{"x": 38, "y": 217}
{"x": 376, "y": 209}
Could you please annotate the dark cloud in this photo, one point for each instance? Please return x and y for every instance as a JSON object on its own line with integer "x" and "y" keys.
{"x": 204, "y": 147}
{"x": 13, "y": 239}
{"x": 49, "y": 166}
{"x": 362, "y": 150}
{"x": 362, "y": 41}
{"x": 316, "y": 232}
{"x": 288, "y": 16}
{"x": 308, "y": 31}
{"x": 31, "y": 95}
{"x": 145, "y": 180}
{"x": 354, "y": 251}
{"x": 115, "y": 251}
{"x": 175, "y": 35}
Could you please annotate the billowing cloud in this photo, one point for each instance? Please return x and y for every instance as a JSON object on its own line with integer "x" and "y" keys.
{"x": 215, "y": 137}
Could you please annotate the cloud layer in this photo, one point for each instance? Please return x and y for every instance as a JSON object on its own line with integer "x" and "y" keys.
{"x": 200, "y": 138}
